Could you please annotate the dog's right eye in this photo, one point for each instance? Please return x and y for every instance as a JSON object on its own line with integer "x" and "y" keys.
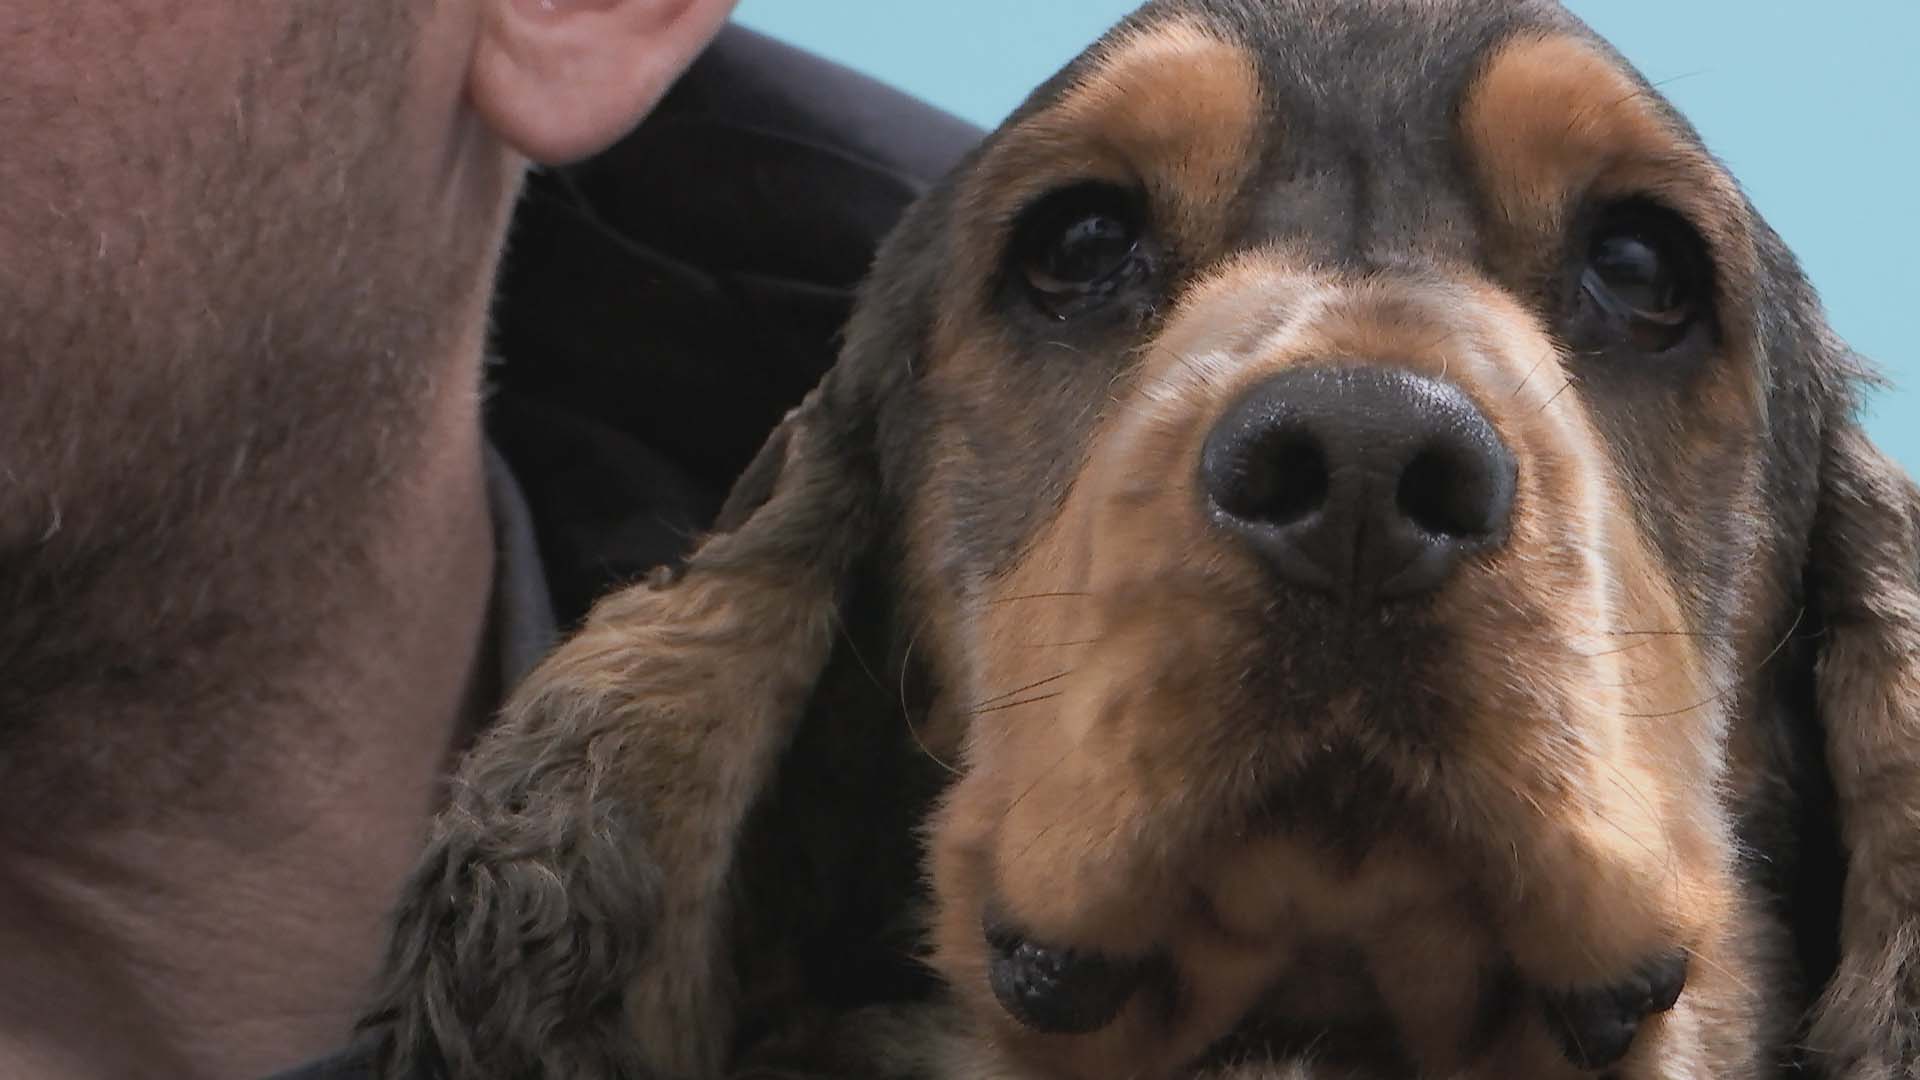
{"x": 1079, "y": 247}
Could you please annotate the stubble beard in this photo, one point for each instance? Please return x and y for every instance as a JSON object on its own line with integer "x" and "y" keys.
{"x": 218, "y": 344}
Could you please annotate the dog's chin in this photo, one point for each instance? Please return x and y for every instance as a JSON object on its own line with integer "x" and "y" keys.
{"x": 1327, "y": 1008}
{"x": 1276, "y": 832}
{"x": 1332, "y": 1016}
{"x": 1297, "y": 984}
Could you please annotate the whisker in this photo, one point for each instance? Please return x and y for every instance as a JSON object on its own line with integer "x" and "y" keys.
{"x": 1033, "y": 842}
{"x": 1738, "y": 682}
{"x": 1564, "y": 387}
{"x": 1683, "y": 76}
{"x": 1631, "y": 684}
{"x": 840, "y": 627}
{"x": 1037, "y": 781}
{"x": 1192, "y": 364}
{"x": 1018, "y": 690}
{"x": 1621, "y": 651}
{"x": 1527, "y": 797}
{"x": 1581, "y": 117}
{"x": 1665, "y": 858}
{"x": 1675, "y": 633}
{"x": 1130, "y": 408}
{"x": 1671, "y": 713}
{"x": 1722, "y": 970}
{"x": 906, "y": 711}
{"x": 1035, "y": 596}
{"x": 1016, "y": 704}
{"x": 1528, "y": 377}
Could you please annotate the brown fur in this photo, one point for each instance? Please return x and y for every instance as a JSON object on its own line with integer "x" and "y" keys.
{"x": 682, "y": 693}
{"x": 1399, "y": 850}
{"x": 1866, "y": 553}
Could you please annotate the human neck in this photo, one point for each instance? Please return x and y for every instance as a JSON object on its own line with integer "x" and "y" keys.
{"x": 233, "y": 933}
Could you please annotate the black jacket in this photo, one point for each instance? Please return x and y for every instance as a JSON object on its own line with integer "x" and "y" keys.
{"x": 666, "y": 303}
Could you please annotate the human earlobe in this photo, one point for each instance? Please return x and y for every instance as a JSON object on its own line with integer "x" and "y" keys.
{"x": 558, "y": 80}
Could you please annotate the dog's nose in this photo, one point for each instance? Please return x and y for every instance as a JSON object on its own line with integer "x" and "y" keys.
{"x": 1365, "y": 482}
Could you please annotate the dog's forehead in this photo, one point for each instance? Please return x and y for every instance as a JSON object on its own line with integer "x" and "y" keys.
{"x": 1336, "y": 56}
{"x": 1368, "y": 132}
{"x": 1343, "y": 53}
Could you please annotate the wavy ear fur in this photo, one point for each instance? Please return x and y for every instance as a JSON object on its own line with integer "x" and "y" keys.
{"x": 1864, "y": 587}
{"x": 570, "y": 916}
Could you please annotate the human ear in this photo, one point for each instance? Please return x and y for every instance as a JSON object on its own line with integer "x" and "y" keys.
{"x": 558, "y": 80}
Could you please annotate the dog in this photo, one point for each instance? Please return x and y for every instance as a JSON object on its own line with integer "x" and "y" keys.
{"x": 1338, "y": 545}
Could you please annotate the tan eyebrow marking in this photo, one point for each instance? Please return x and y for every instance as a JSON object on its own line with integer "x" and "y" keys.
{"x": 1182, "y": 103}
{"x": 1554, "y": 123}
{"x": 1172, "y": 105}
{"x": 1552, "y": 120}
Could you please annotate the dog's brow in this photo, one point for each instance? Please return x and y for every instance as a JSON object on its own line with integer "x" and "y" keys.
{"x": 1171, "y": 105}
{"x": 1552, "y": 120}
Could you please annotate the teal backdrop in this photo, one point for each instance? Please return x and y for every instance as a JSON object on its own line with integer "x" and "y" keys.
{"x": 1815, "y": 107}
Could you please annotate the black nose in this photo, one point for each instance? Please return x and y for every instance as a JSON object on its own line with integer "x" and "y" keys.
{"x": 1360, "y": 481}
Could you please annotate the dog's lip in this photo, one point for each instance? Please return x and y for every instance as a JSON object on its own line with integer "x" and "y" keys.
{"x": 1276, "y": 1028}
{"x": 1261, "y": 1038}
{"x": 1060, "y": 990}
{"x": 1083, "y": 992}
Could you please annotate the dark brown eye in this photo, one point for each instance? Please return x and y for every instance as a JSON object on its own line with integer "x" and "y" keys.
{"x": 1079, "y": 247}
{"x": 1646, "y": 276}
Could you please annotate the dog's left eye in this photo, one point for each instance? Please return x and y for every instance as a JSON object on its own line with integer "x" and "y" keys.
{"x": 1078, "y": 247}
{"x": 1646, "y": 276}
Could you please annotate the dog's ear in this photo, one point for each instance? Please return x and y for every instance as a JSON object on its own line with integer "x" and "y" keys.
{"x": 1863, "y": 591}
{"x": 569, "y": 916}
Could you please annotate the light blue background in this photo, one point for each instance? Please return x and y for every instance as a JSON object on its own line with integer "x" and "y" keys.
{"x": 1815, "y": 107}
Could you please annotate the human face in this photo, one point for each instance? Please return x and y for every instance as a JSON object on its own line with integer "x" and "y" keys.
{"x": 243, "y": 247}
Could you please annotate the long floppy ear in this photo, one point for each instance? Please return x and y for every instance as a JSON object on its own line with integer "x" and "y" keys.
{"x": 570, "y": 914}
{"x": 1864, "y": 589}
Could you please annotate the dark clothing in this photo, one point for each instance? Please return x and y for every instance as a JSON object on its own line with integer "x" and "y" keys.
{"x": 663, "y": 305}
{"x": 666, "y": 303}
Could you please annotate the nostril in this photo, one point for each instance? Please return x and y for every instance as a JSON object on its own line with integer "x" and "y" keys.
{"x": 1280, "y": 479}
{"x": 1365, "y": 482}
{"x": 1454, "y": 493}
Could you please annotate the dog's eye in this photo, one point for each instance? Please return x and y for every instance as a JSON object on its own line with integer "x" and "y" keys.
{"x": 1646, "y": 276}
{"x": 1078, "y": 247}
